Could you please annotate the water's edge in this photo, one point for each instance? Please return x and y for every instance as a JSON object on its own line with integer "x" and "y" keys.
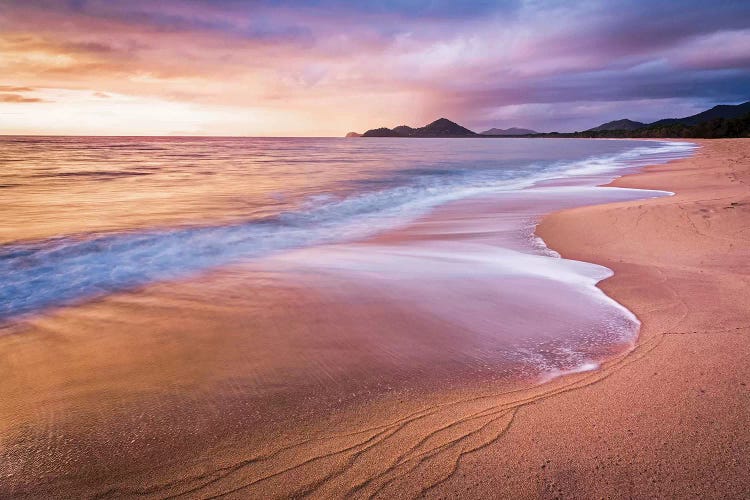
{"x": 612, "y": 300}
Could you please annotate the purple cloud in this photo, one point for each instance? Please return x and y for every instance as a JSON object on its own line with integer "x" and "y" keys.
{"x": 543, "y": 64}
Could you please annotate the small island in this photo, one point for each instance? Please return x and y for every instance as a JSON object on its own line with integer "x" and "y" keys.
{"x": 441, "y": 127}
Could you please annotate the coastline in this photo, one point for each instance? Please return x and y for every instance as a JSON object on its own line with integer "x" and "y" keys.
{"x": 670, "y": 418}
{"x": 561, "y": 438}
{"x": 666, "y": 419}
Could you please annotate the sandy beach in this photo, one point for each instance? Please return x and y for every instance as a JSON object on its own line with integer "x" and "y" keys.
{"x": 146, "y": 395}
{"x": 670, "y": 419}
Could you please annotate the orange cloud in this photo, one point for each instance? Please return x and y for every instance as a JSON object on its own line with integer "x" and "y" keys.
{"x": 12, "y": 88}
{"x": 18, "y": 98}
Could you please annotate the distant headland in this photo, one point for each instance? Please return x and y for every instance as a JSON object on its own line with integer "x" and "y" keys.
{"x": 508, "y": 131}
{"x": 441, "y": 127}
{"x": 719, "y": 121}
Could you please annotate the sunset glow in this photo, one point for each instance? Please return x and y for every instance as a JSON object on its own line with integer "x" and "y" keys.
{"x": 325, "y": 68}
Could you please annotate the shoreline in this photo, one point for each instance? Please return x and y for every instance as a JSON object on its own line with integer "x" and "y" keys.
{"x": 681, "y": 277}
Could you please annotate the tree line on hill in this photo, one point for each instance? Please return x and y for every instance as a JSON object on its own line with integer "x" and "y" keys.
{"x": 712, "y": 129}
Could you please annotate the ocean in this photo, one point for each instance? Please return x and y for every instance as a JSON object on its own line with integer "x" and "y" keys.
{"x": 87, "y": 216}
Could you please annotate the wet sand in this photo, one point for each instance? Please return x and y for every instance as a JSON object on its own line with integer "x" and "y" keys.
{"x": 146, "y": 395}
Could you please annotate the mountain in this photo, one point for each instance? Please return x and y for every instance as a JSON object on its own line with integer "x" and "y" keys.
{"x": 722, "y": 111}
{"x": 353, "y": 134}
{"x": 710, "y": 129}
{"x": 439, "y": 128}
{"x": 618, "y": 125}
{"x": 443, "y": 127}
{"x": 404, "y": 130}
{"x": 509, "y": 131}
{"x": 720, "y": 121}
{"x": 381, "y": 132}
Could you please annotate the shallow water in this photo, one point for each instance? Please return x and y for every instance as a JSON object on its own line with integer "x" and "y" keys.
{"x": 84, "y": 217}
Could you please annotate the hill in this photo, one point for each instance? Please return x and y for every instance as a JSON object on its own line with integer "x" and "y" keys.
{"x": 618, "y": 125}
{"x": 381, "y": 132}
{"x": 719, "y": 121}
{"x": 439, "y": 128}
{"x": 722, "y": 111}
{"x": 711, "y": 129}
{"x": 508, "y": 131}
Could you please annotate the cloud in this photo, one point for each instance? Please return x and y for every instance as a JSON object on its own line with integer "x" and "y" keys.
{"x": 18, "y": 98}
{"x": 12, "y": 88}
{"x": 361, "y": 64}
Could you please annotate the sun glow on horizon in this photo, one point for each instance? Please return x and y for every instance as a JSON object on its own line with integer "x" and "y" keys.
{"x": 88, "y": 112}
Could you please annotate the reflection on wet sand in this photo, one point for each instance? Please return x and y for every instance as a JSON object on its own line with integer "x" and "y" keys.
{"x": 221, "y": 381}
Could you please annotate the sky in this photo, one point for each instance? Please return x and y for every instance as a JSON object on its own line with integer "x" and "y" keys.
{"x": 327, "y": 67}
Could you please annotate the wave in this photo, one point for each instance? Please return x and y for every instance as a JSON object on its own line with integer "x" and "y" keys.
{"x": 60, "y": 271}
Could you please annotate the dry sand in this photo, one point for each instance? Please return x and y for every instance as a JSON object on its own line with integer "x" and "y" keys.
{"x": 94, "y": 407}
